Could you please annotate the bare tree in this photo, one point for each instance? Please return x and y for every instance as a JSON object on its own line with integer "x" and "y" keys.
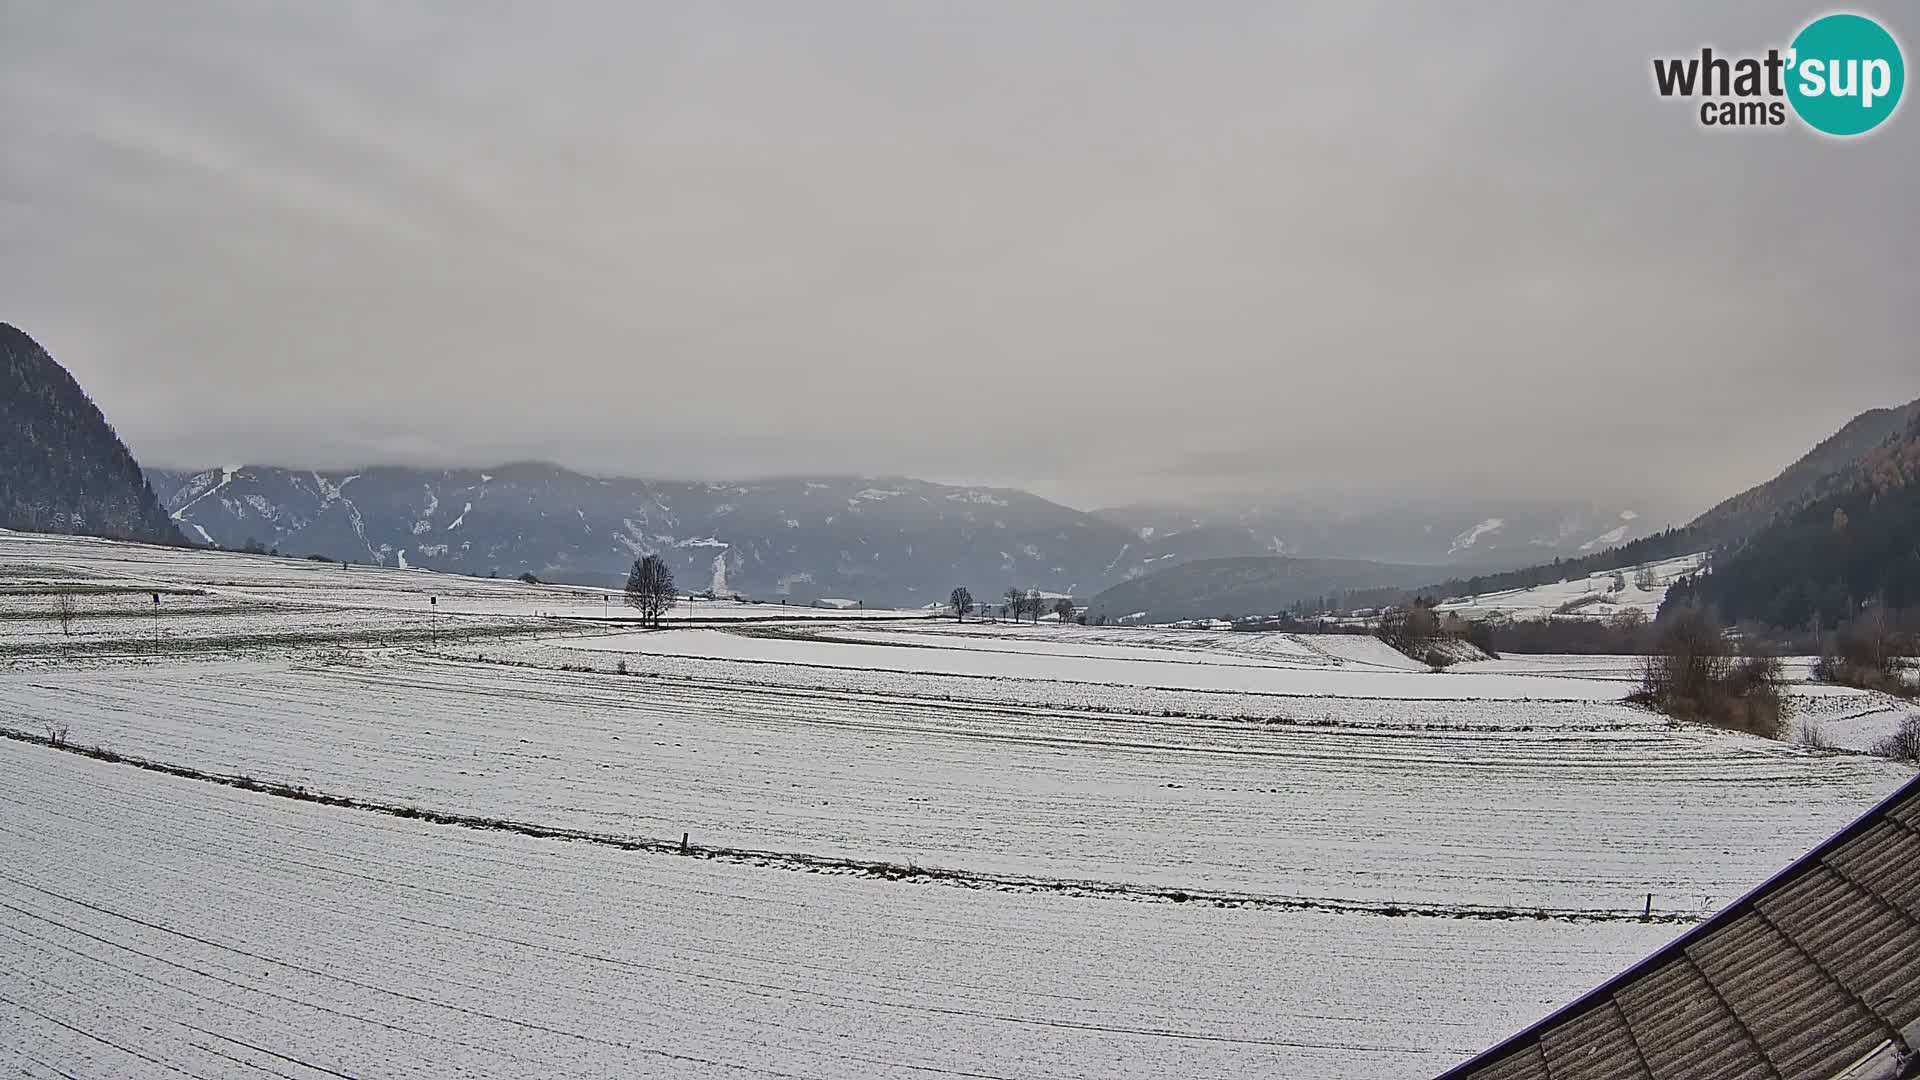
{"x": 1645, "y": 580}
{"x": 1035, "y": 606}
{"x": 1063, "y": 609}
{"x": 961, "y": 601}
{"x": 1904, "y": 743}
{"x": 650, "y": 589}
{"x": 66, "y": 613}
{"x": 1016, "y": 603}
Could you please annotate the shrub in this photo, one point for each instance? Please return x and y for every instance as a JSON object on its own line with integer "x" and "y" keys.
{"x": 1409, "y": 629}
{"x": 1812, "y": 737}
{"x": 1694, "y": 676}
{"x": 1869, "y": 652}
{"x": 1904, "y": 743}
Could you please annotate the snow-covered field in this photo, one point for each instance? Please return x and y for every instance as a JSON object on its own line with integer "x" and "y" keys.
{"x": 929, "y": 848}
{"x": 1581, "y": 820}
{"x": 154, "y": 926}
{"x": 1588, "y": 596}
{"x": 1838, "y": 716}
{"x": 33, "y": 557}
{"x": 1107, "y": 665}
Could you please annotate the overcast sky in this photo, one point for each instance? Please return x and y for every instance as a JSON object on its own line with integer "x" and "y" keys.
{"x": 1105, "y": 251}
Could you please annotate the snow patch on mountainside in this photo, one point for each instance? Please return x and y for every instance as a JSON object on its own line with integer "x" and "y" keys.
{"x": 332, "y": 493}
{"x": 633, "y": 539}
{"x": 1606, "y": 539}
{"x": 1472, "y": 536}
{"x": 226, "y": 477}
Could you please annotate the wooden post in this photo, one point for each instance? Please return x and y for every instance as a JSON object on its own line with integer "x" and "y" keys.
{"x": 683, "y": 843}
{"x": 1648, "y": 917}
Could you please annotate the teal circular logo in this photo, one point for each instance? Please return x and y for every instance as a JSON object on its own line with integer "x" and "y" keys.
{"x": 1846, "y": 74}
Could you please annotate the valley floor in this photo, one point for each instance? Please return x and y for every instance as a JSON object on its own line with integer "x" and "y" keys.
{"x": 289, "y": 826}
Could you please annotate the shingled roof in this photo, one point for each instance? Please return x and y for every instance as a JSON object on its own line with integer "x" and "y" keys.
{"x": 1814, "y": 975}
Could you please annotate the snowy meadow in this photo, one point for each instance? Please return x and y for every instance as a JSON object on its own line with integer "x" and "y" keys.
{"x": 262, "y": 814}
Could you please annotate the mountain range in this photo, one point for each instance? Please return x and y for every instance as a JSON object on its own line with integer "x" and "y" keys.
{"x": 881, "y": 540}
{"x": 892, "y": 541}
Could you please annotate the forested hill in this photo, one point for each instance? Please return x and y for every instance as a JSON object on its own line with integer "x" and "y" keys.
{"x": 1822, "y": 561}
{"x": 1829, "y": 466}
{"x": 62, "y": 468}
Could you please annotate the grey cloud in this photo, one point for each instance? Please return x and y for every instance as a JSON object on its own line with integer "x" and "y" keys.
{"x": 1108, "y": 251}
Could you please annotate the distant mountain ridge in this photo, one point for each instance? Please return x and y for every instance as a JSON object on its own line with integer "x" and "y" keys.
{"x": 881, "y": 540}
{"x": 1467, "y": 532}
{"x": 62, "y": 467}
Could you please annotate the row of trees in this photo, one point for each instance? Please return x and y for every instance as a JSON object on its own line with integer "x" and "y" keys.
{"x": 1020, "y": 604}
